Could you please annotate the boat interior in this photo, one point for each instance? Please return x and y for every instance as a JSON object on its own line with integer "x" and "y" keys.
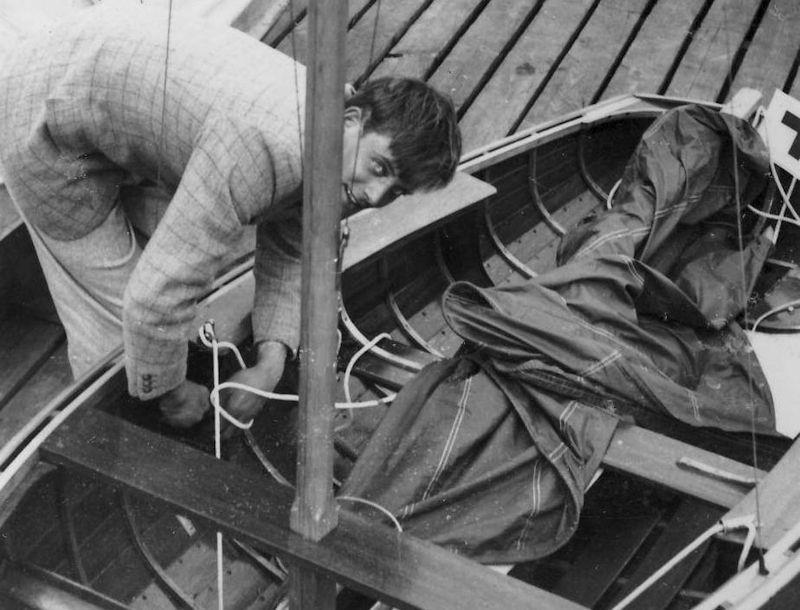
{"x": 117, "y": 510}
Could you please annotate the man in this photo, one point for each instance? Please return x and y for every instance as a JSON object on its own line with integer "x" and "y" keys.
{"x": 113, "y": 103}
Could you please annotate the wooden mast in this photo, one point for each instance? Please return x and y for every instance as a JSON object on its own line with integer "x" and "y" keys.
{"x": 314, "y": 510}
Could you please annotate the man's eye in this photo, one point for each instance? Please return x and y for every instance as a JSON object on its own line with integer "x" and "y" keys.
{"x": 378, "y": 168}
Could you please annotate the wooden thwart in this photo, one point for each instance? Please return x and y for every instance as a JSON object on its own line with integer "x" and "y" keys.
{"x": 366, "y": 556}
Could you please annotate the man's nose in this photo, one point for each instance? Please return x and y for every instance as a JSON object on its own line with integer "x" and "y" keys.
{"x": 376, "y": 190}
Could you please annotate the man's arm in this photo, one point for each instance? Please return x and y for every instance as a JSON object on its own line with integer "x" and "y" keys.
{"x": 276, "y": 314}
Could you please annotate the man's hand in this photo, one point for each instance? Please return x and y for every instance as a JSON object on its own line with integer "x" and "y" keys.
{"x": 185, "y": 405}
{"x": 264, "y": 375}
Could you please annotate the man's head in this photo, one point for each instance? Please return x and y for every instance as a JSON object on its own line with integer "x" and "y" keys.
{"x": 400, "y": 136}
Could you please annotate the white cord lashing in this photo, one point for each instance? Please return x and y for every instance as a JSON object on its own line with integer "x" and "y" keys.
{"x": 207, "y": 331}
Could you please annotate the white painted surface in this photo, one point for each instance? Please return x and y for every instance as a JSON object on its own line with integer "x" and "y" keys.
{"x": 779, "y": 355}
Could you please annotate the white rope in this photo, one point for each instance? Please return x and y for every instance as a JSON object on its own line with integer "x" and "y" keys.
{"x": 358, "y": 336}
{"x": 376, "y": 506}
{"x": 208, "y": 331}
{"x": 611, "y": 193}
{"x": 349, "y": 369}
{"x": 233, "y": 385}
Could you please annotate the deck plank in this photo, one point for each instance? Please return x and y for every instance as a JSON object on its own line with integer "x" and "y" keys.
{"x": 524, "y": 69}
{"x": 25, "y": 343}
{"x": 653, "y": 51}
{"x": 429, "y": 36}
{"x": 43, "y": 384}
{"x": 369, "y": 557}
{"x": 465, "y": 65}
{"x": 364, "y": 48}
{"x": 582, "y": 71}
{"x": 705, "y": 65}
{"x": 770, "y": 55}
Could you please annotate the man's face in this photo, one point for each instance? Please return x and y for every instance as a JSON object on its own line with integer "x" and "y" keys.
{"x": 369, "y": 176}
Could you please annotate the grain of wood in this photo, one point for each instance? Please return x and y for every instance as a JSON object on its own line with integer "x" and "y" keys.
{"x": 498, "y": 105}
{"x": 43, "y": 385}
{"x": 770, "y": 55}
{"x": 24, "y": 345}
{"x": 708, "y": 59}
{"x": 427, "y": 37}
{"x": 583, "y": 69}
{"x": 376, "y": 32}
{"x": 463, "y": 68}
{"x": 650, "y": 56}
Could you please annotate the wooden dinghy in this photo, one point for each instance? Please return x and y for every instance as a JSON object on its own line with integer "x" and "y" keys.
{"x": 125, "y": 514}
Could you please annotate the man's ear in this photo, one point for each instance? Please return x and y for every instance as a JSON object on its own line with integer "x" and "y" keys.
{"x": 353, "y": 116}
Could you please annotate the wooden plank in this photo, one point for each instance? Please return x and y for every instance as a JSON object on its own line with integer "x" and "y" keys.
{"x": 581, "y": 72}
{"x": 772, "y": 52}
{"x": 650, "y": 56}
{"x": 705, "y": 65}
{"x": 614, "y": 536}
{"x": 194, "y": 572}
{"x": 689, "y": 521}
{"x": 366, "y": 556}
{"x": 418, "y": 50}
{"x": 22, "y": 453}
{"x": 655, "y": 457}
{"x": 43, "y": 385}
{"x": 28, "y": 587}
{"x": 25, "y": 343}
{"x": 525, "y": 68}
{"x": 372, "y": 231}
{"x": 777, "y": 500}
{"x": 462, "y": 70}
{"x": 371, "y": 39}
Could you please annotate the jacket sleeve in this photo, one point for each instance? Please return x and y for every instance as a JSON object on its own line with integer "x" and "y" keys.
{"x": 228, "y": 182}
{"x": 276, "y": 310}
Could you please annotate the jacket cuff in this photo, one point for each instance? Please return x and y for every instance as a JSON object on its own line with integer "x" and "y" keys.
{"x": 148, "y": 381}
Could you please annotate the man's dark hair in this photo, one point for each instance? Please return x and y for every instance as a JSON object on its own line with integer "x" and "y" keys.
{"x": 422, "y": 124}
